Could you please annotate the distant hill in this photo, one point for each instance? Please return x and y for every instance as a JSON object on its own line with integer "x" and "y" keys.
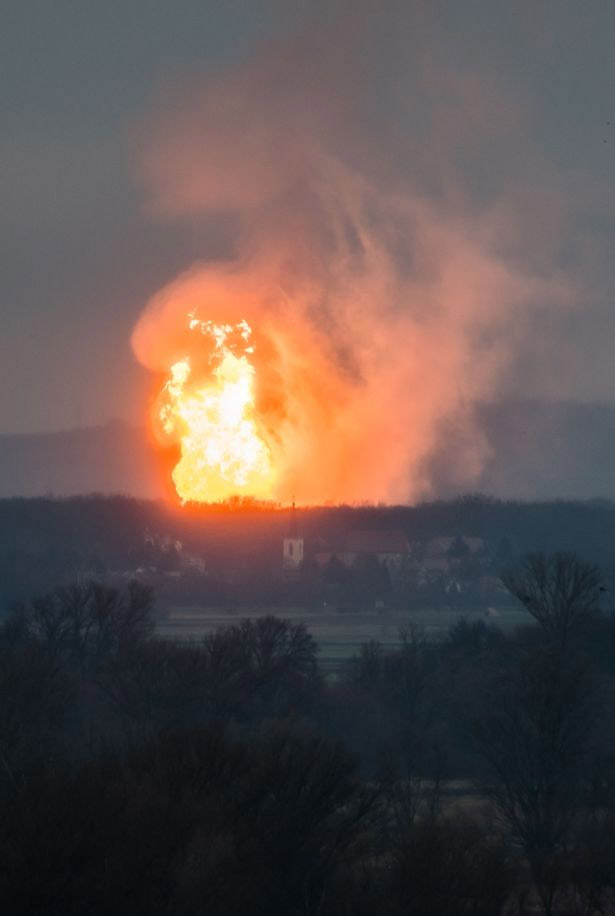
{"x": 546, "y": 450}
{"x": 540, "y": 451}
{"x": 114, "y": 458}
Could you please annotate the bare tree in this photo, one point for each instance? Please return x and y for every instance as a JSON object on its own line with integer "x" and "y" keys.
{"x": 157, "y": 684}
{"x": 534, "y": 733}
{"x": 86, "y": 621}
{"x": 259, "y": 668}
{"x": 450, "y": 866}
{"x": 559, "y": 590}
{"x": 35, "y": 697}
{"x": 272, "y": 661}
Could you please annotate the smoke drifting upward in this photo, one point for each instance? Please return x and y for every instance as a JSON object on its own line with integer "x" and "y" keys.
{"x": 378, "y": 315}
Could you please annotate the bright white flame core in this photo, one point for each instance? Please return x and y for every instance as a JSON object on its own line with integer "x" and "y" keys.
{"x": 212, "y": 419}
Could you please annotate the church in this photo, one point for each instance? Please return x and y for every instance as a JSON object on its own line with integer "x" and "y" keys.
{"x": 292, "y": 546}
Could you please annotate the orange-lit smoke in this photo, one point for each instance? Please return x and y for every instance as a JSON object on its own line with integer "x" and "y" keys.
{"x": 354, "y": 324}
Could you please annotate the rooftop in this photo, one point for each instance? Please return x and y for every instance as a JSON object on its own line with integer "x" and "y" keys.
{"x": 376, "y": 541}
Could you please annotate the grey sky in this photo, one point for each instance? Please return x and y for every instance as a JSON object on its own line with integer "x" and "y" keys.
{"x": 80, "y": 255}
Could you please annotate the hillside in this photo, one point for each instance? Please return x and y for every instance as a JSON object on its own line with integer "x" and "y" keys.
{"x": 539, "y": 451}
{"x": 114, "y": 458}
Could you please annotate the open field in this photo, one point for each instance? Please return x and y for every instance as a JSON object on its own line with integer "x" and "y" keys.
{"x": 339, "y": 635}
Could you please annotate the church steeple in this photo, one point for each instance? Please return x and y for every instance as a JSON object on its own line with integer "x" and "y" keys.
{"x": 292, "y": 530}
{"x": 292, "y": 547}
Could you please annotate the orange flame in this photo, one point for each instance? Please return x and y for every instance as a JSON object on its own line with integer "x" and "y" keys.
{"x": 384, "y": 300}
{"x": 222, "y": 451}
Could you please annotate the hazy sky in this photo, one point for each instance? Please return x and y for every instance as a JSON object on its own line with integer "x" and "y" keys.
{"x": 82, "y": 250}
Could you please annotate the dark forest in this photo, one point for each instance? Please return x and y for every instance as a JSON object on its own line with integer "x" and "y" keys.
{"x": 232, "y": 774}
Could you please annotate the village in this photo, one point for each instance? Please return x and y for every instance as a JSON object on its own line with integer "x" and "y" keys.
{"x": 369, "y": 569}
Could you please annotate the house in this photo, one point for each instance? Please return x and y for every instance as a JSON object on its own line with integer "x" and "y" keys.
{"x": 442, "y": 557}
{"x": 450, "y": 546}
{"x": 389, "y": 546}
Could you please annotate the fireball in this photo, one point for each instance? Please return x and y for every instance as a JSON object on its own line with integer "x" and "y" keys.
{"x": 209, "y": 411}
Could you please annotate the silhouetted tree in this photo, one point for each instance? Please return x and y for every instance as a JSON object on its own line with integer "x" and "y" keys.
{"x": 301, "y": 815}
{"x": 190, "y": 821}
{"x": 559, "y": 590}
{"x": 86, "y": 621}
{"x": 258, "y": 668}
{"x": 35, "y": 699}
{"x": 157, "y": 684}
{"x": 446, "y": 867}
{"x": 534, "y": 733}
{"x": 371, "y": 579}
{"x": 335, "y": 572}
{"x": 275, "y": 663}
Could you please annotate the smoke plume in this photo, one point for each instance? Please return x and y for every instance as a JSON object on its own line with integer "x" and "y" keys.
{"x": 385, "y": 299}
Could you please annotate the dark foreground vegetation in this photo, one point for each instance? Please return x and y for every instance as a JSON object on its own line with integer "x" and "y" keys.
{"x": 471, "y": 776}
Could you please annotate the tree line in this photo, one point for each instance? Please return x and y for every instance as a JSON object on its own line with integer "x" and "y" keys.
{"x": 44, "y": 541}
{"x": 475, "y": 775}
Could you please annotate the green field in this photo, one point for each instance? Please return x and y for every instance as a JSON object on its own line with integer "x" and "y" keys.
{"x": 339, "y": 635}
